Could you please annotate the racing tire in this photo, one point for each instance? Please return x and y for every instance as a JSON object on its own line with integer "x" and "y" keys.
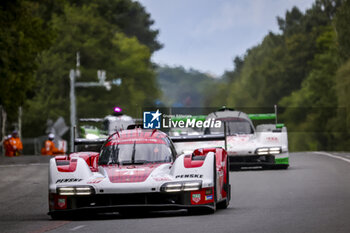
{"x": 223, "y": 204}
{"x": 281, "y": 166}
{"x": 61, "y": 216}
{"x": 56, "y": 216}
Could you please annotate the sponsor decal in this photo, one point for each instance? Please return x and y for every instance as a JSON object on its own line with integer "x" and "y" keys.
{"x": 208, "y": 191}
{"x": 238, "y": 138}
{"x": 130, "y": 174}
{"x": 151, "y": 120}
{"x": 61, "y": 202}
{"x": 95, "y": 180}
{"x": 208, "y": 197}
{"x": 68, "y": 180}
{"x": 189, "y": 176}
{"x": 161, "y": 178}
{"x": 196, "y": 197}
{"x": 275, "y": 139}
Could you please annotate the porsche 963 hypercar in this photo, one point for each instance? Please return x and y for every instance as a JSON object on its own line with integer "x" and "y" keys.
{"x": 139, "y": 169}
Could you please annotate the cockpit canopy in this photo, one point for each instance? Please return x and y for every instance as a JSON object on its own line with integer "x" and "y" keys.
{"x": 136, "y": 153}
{"x": 233, "y": 126}
{"x": 236, "y": 122}
{"x": 137, "y": 147}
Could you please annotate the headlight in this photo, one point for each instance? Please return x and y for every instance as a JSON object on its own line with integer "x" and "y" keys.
{"x": 268, "y": 151}
{"x": 275, "y": 150}
{"x": 181, "y": 186}
{"x": 172, "y": 187}
{"x": 80, "y": 190}
{"x": 192, "y": 186}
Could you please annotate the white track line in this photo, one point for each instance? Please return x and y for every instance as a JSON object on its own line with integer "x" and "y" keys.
{"x": 332, "y": 156}
{"x": 77, "y": 228}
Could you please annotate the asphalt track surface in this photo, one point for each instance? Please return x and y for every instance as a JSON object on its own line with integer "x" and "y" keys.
{"x": 313, "y": 195}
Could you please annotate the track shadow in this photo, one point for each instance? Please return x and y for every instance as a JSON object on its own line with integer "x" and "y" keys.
{"x": 138, "y": 215}
{"x": 125, "y": 215}
{"x": 258, "y": 168}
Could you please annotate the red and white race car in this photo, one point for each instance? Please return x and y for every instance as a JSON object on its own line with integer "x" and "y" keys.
{"x": 139, "y": 169}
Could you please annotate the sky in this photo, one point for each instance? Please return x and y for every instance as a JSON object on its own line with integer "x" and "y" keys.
{"x": 207, "y": 35}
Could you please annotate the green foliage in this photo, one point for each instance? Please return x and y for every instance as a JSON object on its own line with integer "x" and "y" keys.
{"x": 342, "y": 88}
{"x": 102, "y": 45}
{"x": 342, "y": 20}
{"x": 188, "y": 88}
{"x": 298, "y": 69}
{"x": 22, "y": 38}
{"x": 310, "y": 108}
{"x": 342, "y": 85}
{"x": 260, "y": 70}
{"x": 129, "y": 16}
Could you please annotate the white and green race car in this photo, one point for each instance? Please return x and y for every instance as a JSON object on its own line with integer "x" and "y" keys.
{"x": 107, "y": 126}
{"x": 264, "y": 146}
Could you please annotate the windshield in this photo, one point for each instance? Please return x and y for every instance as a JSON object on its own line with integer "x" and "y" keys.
{"x": 233, "y": 126}
{"x": 135, "y": 153}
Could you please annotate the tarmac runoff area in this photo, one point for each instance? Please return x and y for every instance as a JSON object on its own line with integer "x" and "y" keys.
{"x": 24, "y": 160}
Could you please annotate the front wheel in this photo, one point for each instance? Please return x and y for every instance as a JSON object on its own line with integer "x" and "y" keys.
{"x": 281, "y": 166}
{"x": 61, "y": 216}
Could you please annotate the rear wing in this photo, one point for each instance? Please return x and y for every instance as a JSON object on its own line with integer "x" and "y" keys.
{"x": 84, "y": 141}
{"x": 263, "y": 116}
{"x": 198, "y": 138}
{"x": 175, "y": 139}
{"x": 88, "y": 144}
{"x": 266, "y": 116}
{"x": 91, "y": 119}
{"x": 97, "y": 143}
{"x": 260, "y": 116}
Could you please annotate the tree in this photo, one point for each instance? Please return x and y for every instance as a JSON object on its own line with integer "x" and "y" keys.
{"x": 311, "y": 108}
{"x": 181, "y": 87}
{"x": 342, "y": 86}
{"x": 22, "y": 38}
{"x": 297, "y": 69}
{"x": 129, "y": 16}
{"x": 102, "y": 45}
{"x": 342, "y": 20}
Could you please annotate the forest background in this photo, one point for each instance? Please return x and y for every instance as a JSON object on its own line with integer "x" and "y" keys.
{"x": 304, "y": 68}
